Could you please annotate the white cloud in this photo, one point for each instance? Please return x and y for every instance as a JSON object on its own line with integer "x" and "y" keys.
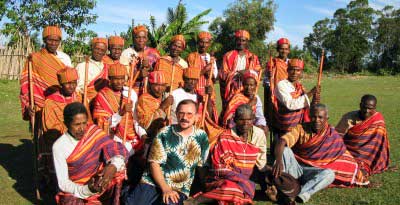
{"x": 324, "y": 11}
{"x": 294, "y": 37}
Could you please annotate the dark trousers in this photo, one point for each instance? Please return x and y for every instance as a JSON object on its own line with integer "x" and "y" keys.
{"x": 145, "y": 194}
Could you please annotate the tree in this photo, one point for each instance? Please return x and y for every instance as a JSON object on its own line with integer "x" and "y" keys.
{"x": 318, "y": 39}
{"x": 79, "y": 44}
{"x": 255, "y": 16}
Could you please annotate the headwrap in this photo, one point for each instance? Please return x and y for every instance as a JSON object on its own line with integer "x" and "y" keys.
{"x": 250, "y": 74}
{"x": 51, "y": 30}
{"x": 67, "y": 74}
{"x": 99, "y": 40}
{"x": 204, "y": 34}
{"x": 283, "y": 41}
{"x": 242, "y": 33}
{"x": 192, "y": 72}
{"x": 157, "y": 77}
{"x": 179, "y": 38}
{"x": 116, "y": 40}
{"x": 296, "y": 63}
{"x": 139, "y": 28}
{"x": 117, "y": 69}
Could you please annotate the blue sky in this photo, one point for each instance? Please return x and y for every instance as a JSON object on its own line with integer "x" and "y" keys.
{"x": 294, "y": 18}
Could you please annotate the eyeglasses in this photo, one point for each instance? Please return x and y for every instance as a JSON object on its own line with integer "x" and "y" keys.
{"x": 182, "y": 114}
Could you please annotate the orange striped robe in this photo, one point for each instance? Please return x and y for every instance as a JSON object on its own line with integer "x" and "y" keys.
{"x": 233, "y": 104}
{"x": 165, "y": 64}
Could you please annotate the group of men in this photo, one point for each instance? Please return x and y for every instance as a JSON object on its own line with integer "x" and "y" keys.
{"x": 133, "y": 127}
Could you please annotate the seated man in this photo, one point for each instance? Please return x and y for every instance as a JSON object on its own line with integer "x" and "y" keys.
{"x": 292, "y": 104}
{"x": 53, "y": 119}
{"x": 235, "y": 154}
{"x": 246, "y": 96}
{"x": 89, "y": 164}
{"x": 175, "y": 153}
{"x": 315, "y": 154}
{"x": 365, "y": 136}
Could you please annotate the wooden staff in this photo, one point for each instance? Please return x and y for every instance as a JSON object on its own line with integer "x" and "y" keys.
{"x": 33, "y": 135}
{"x": 85, "y": 85}
{"x": 209, "y": 82}
{"x": 321, "y": 64}
{"x": 146, "y": 79}
{"x": 132, "y": 80}
{"x": 171, "y": 87}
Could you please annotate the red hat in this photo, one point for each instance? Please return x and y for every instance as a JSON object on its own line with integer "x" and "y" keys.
{"x": 242, "y": 33}
{"x": 250, "y": 74}
{"x": 296, "y": 63}
{"x": 283, "y": 41}
{"x": 51, "y": 30}
{"x": 204, "y": 34}
{"x": 179, "y": 37}
{"x": 99, "y": 40}
{"x": 116, "y": 40}
{"x": 67, "y": 74}
{"x": 117, "y": 69}
{"x": 192, "y": 72}
{"x": 139, "y": 28}
{"x": 157, "y": 77}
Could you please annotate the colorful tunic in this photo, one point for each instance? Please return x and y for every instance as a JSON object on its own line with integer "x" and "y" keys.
{"x": 197, "y": 60}
{"x": 97, "y": 77}
{"x": 366, "y": 140}
{"x": 233, "y": 161}
{"x": 229, "y": 75}
{"x": 325, "y": 150}
{"x": 178, "y": 157}
{"x": 165, "y": 64}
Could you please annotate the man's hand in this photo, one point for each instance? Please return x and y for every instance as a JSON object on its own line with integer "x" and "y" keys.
{"x": 206, "y": 70}
{"x": 317, "y": 95}
{"x": 30, "y": 111}
{"x": 106, "y": 176}
{"x": 311, "y": 92}
{"x": 167, "y": 102}
{"x": 170, "y": 194}
{"x": 144, "y": 73}
{"x": 126, "y": 108}
{"x": 93, "y": 184}
{"x": 277, "y": 169}
{"x": 145, "y": 63}
{"x": 208, "y": 90}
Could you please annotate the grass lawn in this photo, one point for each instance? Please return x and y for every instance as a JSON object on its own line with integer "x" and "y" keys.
{"x": 341, "y": 94}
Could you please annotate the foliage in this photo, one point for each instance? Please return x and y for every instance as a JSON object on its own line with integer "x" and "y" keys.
{"x": 255, "y": 16}
{"x": 310, "y": 64}
{"x": 78, "y": 44}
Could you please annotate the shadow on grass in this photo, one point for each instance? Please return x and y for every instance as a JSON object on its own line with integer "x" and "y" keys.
{"x": 18, "y": 161}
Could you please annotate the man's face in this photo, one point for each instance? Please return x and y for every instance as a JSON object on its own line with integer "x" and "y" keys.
{"x": 115, "y": 51}
{"x": 78, "y": 126}
{"x": 283, "y": 51}
{"x": 249, "y": 87}
{"x": 98, "y": 51}
{"x": 294, "y": 73}
{"x": 175, "y": 48}
{"x": 204, "y": 44}
{"x": 241, "y": 43}
{"x": 367, "y": 109}
{"x": 52, "y": 42}
{"x": 117, "y": 82}
{"x": 140, "y": 40}
{"x": 186, "y": 115}
{"x": 68, "y": 88}
{"x": 189, "y": 84}
{"x": 318, "y": 117}
{"x": 157, "y": 90}
{"x": 244, "y": 122}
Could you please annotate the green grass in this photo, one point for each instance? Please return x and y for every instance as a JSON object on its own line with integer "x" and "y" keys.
{"x": 340, "y": 94}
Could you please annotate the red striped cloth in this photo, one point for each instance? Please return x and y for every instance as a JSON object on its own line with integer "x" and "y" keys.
{"x": 369, "y": 144}
{"x": 233, "y": 104}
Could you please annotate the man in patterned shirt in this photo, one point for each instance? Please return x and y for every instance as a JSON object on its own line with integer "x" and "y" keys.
{"x": 175, "y": 154}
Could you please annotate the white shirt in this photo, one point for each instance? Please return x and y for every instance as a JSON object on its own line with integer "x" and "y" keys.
{"x": 116, "y": 119}
{"x": 62, "y": 148}
{"x": 283, "y": 93}
{"x": 126, "y": 55}
{"x": 179, "y": 95}
{"x": 207, "y": 58}
{"x": 64, "y": 58}
{"x": 241, "y": 63}
{"x": 95, "y": 67}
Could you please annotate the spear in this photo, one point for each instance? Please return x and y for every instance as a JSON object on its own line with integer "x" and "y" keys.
{"x": 33, "y": 135}
{"x": 132, "y": 80}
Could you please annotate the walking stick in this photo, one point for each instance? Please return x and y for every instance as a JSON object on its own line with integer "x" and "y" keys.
{"x": 33, "y": 135}
{"x": 146, "y": 79}
{"x": 209, "y": 81}
{"x": 321, "y": 64}
{"x": 171, "y": 88}
{"x": 268, "y": 106}
{"x": 85, "y": 85}
{"x": 132, "y": 80}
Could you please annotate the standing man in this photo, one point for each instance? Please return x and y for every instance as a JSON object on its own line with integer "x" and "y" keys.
{"x": 115, "y": 46}
{"x": 364, "y": 133}
{"x": 97, "y": 72}
{"x": 173, "y": 62}
{"x": 234, "y": 64}
{"x": 45, "y": 65}
{"x": 148, "y": 56}
{"x": 89, "y": 164}
{"x": 175, "y": 154}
